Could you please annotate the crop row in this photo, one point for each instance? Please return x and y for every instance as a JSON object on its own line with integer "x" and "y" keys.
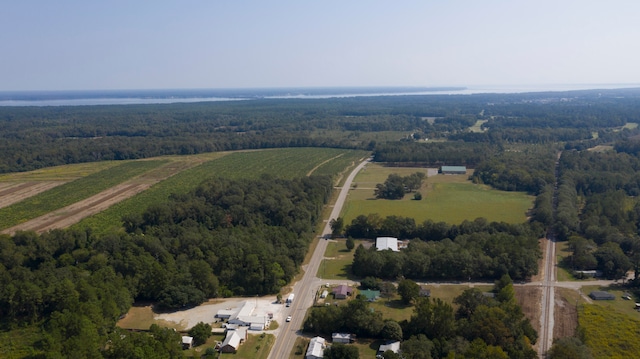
{"x": 71, "y": 192}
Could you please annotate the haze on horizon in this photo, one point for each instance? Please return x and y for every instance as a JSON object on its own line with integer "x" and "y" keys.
{"x": 84, "y": 45}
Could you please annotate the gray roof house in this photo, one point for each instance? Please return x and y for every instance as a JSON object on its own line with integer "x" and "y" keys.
{"x": 316, "y": 348}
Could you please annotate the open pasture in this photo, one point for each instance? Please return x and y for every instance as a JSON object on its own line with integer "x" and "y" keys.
{"x": 447, "y": 198}
{"x": 285, "y": 163}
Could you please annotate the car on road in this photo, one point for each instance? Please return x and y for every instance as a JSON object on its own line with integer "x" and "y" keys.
{"x": 288, "y": 318}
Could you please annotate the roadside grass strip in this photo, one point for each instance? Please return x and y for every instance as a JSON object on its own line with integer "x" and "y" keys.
{"x": 72, "y": 192}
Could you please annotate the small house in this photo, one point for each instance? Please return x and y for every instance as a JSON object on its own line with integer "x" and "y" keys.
{"x": 393, "y": 346}
{"x": 600, "y": 295}
{"x": 342, "y": 291}
{"x": 316, "y": 348}
{"x": 371, "y": 295}
{"x": 343, "y": 338}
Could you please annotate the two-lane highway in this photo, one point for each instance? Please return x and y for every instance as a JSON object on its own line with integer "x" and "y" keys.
{"x": 305, "y": 289}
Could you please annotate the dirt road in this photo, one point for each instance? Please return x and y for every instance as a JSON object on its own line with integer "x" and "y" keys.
{"x": 13, "y": 192}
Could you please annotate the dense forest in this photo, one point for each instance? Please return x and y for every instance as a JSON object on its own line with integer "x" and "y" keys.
{"x": 577, "y": 152}
{"x": 36, "y": 137}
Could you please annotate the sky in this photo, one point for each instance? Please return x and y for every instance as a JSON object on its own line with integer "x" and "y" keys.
{"x": 189, "y": 44}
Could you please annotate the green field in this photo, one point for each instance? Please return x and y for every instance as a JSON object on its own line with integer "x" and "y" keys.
{"x": 284, "y": 163}
{"x": 74, "y": 191}
{"x": 608, "y": 332}
{"x": 450, "y": 198}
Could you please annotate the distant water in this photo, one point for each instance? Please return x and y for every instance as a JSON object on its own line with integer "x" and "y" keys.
{"x": 135, "y": 97}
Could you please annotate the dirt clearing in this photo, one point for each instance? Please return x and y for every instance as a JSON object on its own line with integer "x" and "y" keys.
{"x": 529, "y": 298}
{"x": 565, "y": 313}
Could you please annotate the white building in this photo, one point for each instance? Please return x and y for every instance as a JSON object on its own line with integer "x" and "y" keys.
{"x": 244, "y": 316}
{"x": 316, "y": 348}
{"x": 384, "y": 243}
{"x": 394, "y": 347}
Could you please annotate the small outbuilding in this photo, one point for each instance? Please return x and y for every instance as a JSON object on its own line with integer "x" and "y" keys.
{"x": 343, "y": 338}
{"x": 231, "y": 342}
{"x": 316, "y": 348}
{"x": 187, "y": 342}
{"x": 425, "y": 292}
{"x": 453, "y": 170}
{"x": 384, "y": 243}
{"x": 600, "y": 295}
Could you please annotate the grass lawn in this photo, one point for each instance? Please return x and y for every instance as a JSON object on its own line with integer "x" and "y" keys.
{"x": 450, "y": 198}
{"x": 256, "y": 347}
{"x": 619, "y": 305}
{"x": 197, "y": 352}
{"x": 339, "y": 260}
{"x": 60, "y": 173}
{"x": 562, "y": 251}
{"x": 367, "y": 348}
{"x": 299, "y": 348}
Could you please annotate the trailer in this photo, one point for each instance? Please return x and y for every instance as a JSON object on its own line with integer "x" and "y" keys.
{"x": 290, "y": 299}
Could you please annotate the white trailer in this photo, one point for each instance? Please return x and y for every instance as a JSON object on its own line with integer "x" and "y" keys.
{"x": 290, "y": 299}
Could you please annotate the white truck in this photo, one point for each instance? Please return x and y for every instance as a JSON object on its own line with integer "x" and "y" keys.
{"x": 289, "y": 299}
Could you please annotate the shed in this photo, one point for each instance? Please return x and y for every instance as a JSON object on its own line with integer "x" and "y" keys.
{"x": 384, "y": 243}
{"x": 453, "y": 170}
{"x": 187, "y": 342}
{"x": 424, "y": 291}
{"x": 316, "y": 348}
{"x": 343, "y": 338}
{"x": 600, "y": 295}
{"x": 342, "y": 291}
{"x": 393, "y": 346}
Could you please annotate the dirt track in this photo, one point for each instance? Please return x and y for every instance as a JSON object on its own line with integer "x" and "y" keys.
{"x": 72, "y": 214}
{"x": 13, "y": 192}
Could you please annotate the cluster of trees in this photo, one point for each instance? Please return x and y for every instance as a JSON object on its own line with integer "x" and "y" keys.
{"x": 395, "y": 186}
{"x": 480, "y": 255}
{"x": 481, "y": 327}
{"x": 527, "y": 170}
{"x": 597, "y": 211}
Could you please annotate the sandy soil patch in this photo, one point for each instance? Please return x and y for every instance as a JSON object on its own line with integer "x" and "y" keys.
{"x": 529, "y": 298}
{"x": 13, "y": 192}
{"x": 566, "y": 317}
{"x": 542, "y": 243}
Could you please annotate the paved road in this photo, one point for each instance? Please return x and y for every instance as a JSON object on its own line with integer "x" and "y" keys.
{"x": 305, "y": 288}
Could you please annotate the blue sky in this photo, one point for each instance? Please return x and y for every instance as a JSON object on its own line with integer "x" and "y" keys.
{"x": 75, "y": 45}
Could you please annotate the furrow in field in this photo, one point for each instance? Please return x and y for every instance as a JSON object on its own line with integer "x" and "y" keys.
{"x": 14, "y": 192}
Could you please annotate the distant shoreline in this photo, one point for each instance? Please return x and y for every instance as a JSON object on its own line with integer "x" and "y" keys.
{"x": 137, "y": 97}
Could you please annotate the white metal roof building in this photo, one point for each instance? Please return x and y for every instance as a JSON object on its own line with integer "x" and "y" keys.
{"x": 384, "y": 243}
{"x": 316, "y": 348}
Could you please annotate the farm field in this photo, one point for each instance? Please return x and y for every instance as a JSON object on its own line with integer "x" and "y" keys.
{"x": 447, "y": 198}
{"x": 285, "y": 163}
{"x": 74, "y": 191}
{"x": 609, "y": 333}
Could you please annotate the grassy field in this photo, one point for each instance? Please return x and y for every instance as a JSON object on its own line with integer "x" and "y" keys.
{"x": 284, "y": 163}
{"x": 450, "y": 198}
{"x": 610, "y": 333}
{"x": 338, "y": 262}
{"x": 60, "y": 173}
{"x": 477, "y": 127}
{"x": 74, "y": 191}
